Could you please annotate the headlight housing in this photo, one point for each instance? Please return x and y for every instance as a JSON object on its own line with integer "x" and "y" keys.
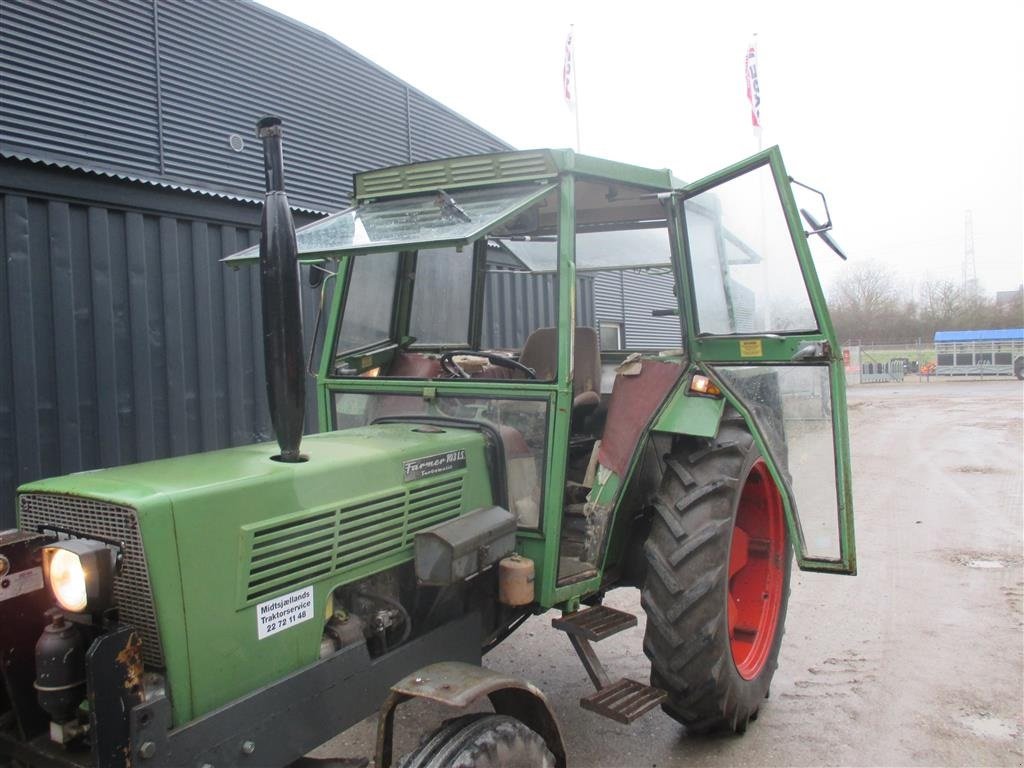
{"x": 80, "y": 574}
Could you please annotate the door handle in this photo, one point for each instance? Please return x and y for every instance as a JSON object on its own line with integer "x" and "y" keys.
{"x": 815, "y": 350}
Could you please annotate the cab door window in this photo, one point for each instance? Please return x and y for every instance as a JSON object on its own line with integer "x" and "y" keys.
{"x": 792, "y": 405}
{"x": 745, "y": 277}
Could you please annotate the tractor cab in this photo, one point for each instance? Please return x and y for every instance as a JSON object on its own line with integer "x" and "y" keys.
{"x": 559, "y": 303}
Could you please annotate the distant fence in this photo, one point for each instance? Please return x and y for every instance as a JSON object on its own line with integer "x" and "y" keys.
{"x": 873, "y": 363}
{"x": 877, "y": 363}
{"x": 873, "y": 373}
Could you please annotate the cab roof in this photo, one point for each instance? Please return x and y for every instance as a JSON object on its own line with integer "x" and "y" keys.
{"x": 454, "y": 201}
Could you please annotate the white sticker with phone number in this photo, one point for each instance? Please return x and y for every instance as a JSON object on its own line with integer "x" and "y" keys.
{"x": 284, "y": 612}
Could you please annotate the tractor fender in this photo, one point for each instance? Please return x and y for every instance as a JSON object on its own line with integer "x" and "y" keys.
{"x": 459, "y": 685}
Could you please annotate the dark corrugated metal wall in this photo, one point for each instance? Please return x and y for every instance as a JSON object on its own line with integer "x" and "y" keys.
{"x": 127, "y": 339}
{"x": 234, "y": 61}
{"x": 159, "y": 87}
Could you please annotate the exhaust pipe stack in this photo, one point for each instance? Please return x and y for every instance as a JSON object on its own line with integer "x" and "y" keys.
{"x": 279, "y": 293}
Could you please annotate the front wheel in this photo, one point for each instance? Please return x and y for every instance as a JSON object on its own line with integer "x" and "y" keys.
{"x": 481, "y": 741}
{"x": 717, "y": 581}
{"x": 1018, "y": 368}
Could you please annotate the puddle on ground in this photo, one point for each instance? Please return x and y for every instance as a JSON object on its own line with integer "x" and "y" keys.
{"x": 989, "y": 727}
{"x": 984, "y": 560}
{"x": 976, "y": 470}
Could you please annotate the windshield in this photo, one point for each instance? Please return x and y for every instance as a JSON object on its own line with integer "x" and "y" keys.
{"x": 403, "y": 309}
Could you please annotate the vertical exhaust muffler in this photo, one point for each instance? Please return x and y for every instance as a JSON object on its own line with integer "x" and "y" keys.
{"x": 279, "y": 294}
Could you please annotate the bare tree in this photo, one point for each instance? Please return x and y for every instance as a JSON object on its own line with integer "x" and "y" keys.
{"x": 866, "y": 302}
{"x": 941, "y": 303}
{"x": 869, "y": 305}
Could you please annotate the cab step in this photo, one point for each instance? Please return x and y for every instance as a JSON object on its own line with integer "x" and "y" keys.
{"x": 624, "y": 700}
{"x": 595, "y": 623}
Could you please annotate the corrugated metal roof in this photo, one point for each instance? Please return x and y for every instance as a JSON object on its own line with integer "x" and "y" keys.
{"x": 79, "y": 79}
{"x": 69, "y": 165}
{"x": 162, "y": 90}
{"x": 1001, "y": 334}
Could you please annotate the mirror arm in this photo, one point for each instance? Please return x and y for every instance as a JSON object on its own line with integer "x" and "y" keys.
{"x": 818, "y": 228}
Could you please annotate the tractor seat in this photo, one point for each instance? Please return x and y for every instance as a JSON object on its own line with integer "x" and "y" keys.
{"x": 540, "y": 352}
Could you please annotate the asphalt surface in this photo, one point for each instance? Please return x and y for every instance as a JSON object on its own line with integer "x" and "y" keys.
{"x": 918, "y": 660}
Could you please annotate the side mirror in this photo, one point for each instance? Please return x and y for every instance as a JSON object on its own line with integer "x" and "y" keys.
{"x": 821, "y": 230}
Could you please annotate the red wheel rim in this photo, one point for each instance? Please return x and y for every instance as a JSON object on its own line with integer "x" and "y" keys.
{"x": 756, "y": 563}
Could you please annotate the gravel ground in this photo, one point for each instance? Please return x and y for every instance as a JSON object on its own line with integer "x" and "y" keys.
{"x": 918, "y": 660}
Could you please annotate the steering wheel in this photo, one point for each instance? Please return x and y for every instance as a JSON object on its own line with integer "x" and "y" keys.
{"x": 455, "y": 370}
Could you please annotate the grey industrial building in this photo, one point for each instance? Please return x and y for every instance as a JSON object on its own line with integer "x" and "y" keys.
{"x": 128, "y": 168}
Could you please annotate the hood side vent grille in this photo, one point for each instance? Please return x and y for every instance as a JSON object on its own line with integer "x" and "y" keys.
{"x": 294, "y": 550}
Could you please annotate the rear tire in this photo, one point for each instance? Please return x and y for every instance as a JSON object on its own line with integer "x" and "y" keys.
{"x": 717, "y": 581}
{"x": 1018, "y": 368}
{"x": 481, "y": 741}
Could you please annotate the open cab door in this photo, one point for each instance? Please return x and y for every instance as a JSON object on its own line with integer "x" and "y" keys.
{"x": 758, "y": 325}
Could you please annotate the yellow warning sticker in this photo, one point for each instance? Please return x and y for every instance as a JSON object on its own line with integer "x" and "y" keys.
{"x": 751, "y": 348}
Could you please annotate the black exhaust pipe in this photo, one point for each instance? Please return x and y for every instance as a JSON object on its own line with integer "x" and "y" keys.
{"x": 279, "y": 292}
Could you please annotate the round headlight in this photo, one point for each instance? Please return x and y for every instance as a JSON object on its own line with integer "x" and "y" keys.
{"x": 67, "y": 580}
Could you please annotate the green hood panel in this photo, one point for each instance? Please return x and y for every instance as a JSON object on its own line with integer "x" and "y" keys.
{"x": 229, "y": 531}
{"x": 152, "y": 482}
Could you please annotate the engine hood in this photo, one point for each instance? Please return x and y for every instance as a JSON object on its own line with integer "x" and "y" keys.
{"x": 222, "y": 535}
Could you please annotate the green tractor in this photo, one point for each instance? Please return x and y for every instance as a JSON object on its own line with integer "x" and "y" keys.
{"x": 543, "y": 376}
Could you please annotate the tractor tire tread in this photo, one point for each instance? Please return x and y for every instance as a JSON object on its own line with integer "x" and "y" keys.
{"x": 687, "y": 553}
{"x": 483, "y": 740}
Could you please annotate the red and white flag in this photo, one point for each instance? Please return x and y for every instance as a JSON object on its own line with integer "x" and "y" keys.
{"x": 568, "y": 76}
{"x": 753, "y": 86}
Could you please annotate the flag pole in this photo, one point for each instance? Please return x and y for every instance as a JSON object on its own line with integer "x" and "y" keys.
{"x": 569, "y": 91}
{"x": 575, "y": 95}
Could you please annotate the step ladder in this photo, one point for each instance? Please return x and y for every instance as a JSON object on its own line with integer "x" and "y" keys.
{"x": 623, "y": 700}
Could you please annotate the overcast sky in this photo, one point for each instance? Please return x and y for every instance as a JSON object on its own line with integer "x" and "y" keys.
{"x": 906, "y": 114}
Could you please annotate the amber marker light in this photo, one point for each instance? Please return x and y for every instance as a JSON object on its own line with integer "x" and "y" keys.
{"x": 702, "y": 385}
{"x": 80, "y": 574}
